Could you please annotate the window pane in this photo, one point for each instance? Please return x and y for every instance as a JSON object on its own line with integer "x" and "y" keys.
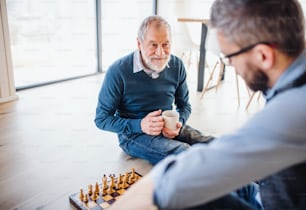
{"x": 52, "y": 39}
{"x": 120, "y": 22}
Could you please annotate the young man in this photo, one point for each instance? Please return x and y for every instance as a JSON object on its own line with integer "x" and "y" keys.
{"x": 264, "y": 41}
{"x": 138, "y": 87}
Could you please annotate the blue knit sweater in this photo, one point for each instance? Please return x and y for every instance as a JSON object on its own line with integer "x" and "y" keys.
{"x": 126, "y": 97}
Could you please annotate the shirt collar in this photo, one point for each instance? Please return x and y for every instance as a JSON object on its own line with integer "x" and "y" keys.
{"x": 137, "y": 63}
{"x": 294, "y": 71}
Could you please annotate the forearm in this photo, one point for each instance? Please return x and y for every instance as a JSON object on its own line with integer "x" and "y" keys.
{"x": 184, "y": 114}
{"x": 202, "y": 174}
{"x": 117, "y": 124}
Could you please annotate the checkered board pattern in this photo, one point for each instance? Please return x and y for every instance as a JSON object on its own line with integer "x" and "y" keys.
{"x": 103, "y": 201}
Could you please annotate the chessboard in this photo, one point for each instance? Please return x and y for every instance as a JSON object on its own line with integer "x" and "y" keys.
{"x": 101, "y": 196}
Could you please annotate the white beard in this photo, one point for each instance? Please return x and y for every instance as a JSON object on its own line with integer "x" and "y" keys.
{"x": 156, "y": 67}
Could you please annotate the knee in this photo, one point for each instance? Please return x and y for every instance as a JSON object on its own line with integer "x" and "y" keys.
{"x": 182, "y": 147}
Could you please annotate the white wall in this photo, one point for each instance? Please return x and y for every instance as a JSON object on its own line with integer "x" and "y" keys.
{"x": 185, "y": 35}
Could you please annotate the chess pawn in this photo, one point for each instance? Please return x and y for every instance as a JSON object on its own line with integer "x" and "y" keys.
{"x": 96, "y": 189}
{"x": 119, "y": 181}
{"x": 94, "y": 197}
{"x": 85, "y": 199}
{"x": 125, "y": 180}
{"x": 131, "y": 180}
{"x": 81, "y": 195}
{"x": 111, "y": 185}
{"x": 104, "y": 191}
{"x": 136, "y": 178}
{"x": 133, "y": 174}
{"x": 111, "y": 190}
{"x": 112, "y": 180}
{"x": 90, "y": 189}
{"x": 118, "y": 186}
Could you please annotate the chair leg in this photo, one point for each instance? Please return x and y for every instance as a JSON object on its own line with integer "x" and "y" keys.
{"x": 209, "y": 80}
{"x": 188, "y": 56}
{"x": 250, "y": 100}
{"x": 220, "y": 74}
{"x": 189, "y": 60}
{"x": 249, "y": 92}
{"x": 258, "y": 96}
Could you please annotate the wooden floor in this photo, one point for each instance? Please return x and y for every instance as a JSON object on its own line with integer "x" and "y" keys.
{"x": 50, "y": 147}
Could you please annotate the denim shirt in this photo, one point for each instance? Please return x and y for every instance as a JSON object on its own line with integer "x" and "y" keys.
{"x": 272, "y": 140}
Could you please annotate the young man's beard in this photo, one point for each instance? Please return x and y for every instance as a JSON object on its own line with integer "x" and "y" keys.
{"x": 259, "y": 81}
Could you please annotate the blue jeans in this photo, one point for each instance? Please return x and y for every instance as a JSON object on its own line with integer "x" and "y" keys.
{"x": 156, "y": 148}
{"x": 241, "y": 199}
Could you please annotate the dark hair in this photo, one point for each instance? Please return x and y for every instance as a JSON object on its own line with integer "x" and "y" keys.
{"x": 157, "y": 20}
{"x": 246, "y": 22}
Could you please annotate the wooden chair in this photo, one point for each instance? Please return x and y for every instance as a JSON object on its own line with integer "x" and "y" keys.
{"x": 208, "y": 85}
{"x": 252, "y": 95}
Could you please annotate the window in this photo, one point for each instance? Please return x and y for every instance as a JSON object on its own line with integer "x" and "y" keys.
{"x": 52, "y": 39}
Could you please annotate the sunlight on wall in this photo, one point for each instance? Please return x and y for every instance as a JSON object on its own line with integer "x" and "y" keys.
{"x": 120, "y": 26}
{"x": 185, "y": 35}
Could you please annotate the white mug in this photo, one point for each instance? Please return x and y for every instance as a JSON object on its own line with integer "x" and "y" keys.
{"x": 171, "y": 118}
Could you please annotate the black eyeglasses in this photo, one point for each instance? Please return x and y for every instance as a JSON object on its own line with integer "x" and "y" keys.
{"x": 226, "y": 59}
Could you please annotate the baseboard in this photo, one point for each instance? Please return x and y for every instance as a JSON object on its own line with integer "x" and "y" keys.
{"x": 8, "y": 99}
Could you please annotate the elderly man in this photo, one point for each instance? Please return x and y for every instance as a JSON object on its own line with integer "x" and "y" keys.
{"x": 138, "y": 87}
